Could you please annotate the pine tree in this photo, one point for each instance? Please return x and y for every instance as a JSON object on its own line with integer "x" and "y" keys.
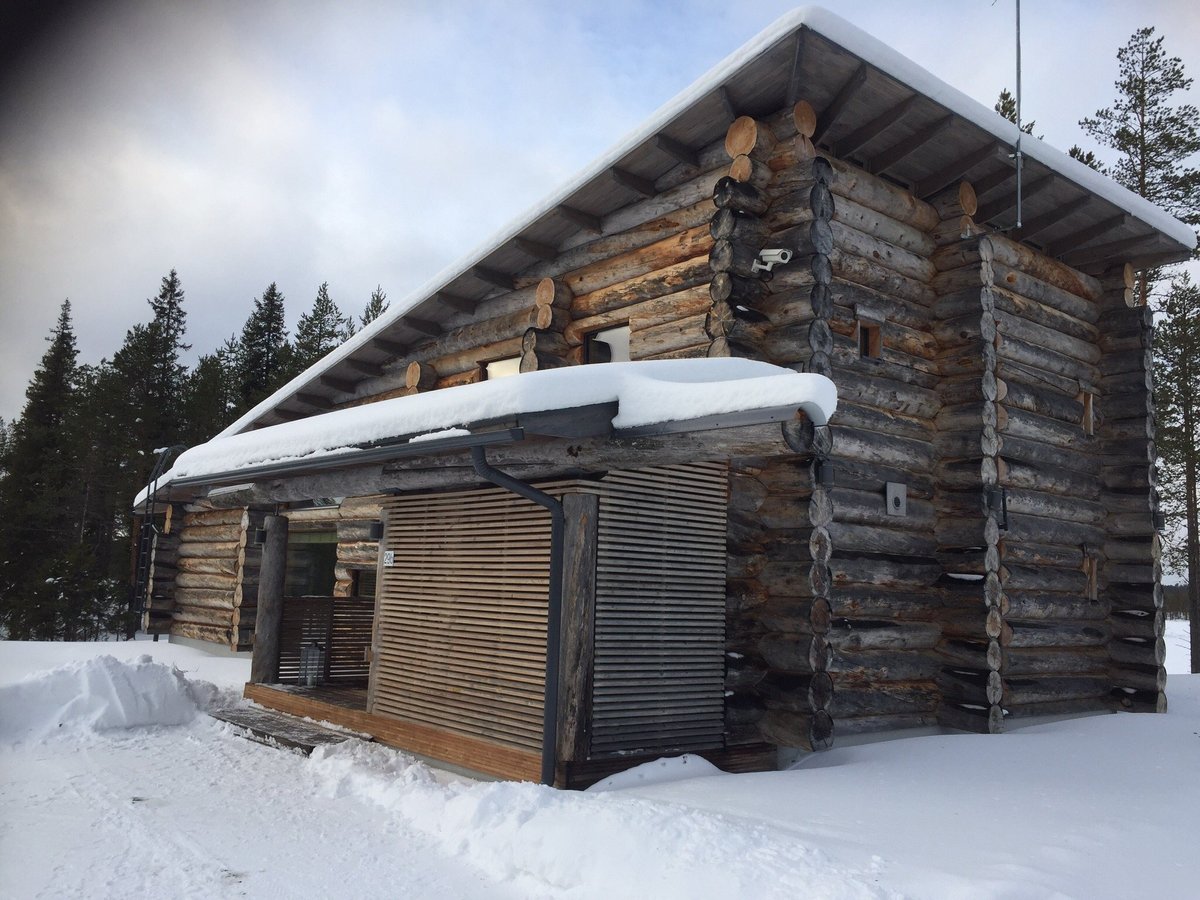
{"x": 319, "y": 330}
{"x": 1087, "y": 157}
{"x": 1006, "y": 105}
{"x": 263, "y": 352}
{"x": 1153, "y": 139}
{"x": 376, "y": 306}
{"x": 1177, "y": 401}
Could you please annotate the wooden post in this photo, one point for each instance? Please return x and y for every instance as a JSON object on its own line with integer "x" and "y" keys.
{"x": 264, "y": 665}
{"x": 582, "y": 512}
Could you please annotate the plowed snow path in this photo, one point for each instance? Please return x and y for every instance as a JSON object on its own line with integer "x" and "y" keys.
{"x": 197, "y": 812}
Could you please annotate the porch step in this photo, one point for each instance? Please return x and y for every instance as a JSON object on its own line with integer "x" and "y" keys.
{"x": 266, "y": 726}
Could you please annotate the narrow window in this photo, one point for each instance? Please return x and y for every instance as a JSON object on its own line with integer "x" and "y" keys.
{"x": 502, "y": 368}
{"x": 1091, "y": 569}
{"x": 608, "y": 345}
{"x": 870, "y": 342}
{"x": 362, "y": 583}
{"x": 1089, "y": 412}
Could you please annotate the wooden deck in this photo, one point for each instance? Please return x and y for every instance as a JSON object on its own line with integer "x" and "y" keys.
{"x": 342, "y": 706}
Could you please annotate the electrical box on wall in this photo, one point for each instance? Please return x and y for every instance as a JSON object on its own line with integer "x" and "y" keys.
{"x": 897, "y": 499}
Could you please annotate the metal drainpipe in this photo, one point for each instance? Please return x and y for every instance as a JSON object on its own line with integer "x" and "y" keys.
{"x": 554, "y": 611}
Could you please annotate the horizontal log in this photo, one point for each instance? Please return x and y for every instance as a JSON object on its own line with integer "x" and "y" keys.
{"x": 1140, "y": 651}
{"x": 211, "y": 634}
{"x": 637, "y": 225}
{"x": 1025, "y": 258}
{"x": 669, "y": 251}
{"x": 655, "y": 311}
{"x": 1012, "y": 348}
{"x": 1035, "y": 554}
{"x": 191, "y": 534}
{"x": 1022, "y": 691}
{"x": 1028, "y": 285}
{"x": 872, "y": 192}
{"x": 1056, "y": 661}
{"x": 729, "y": 193}
{"x": 212, "y": 517}
{"x": 1140, "y": 678}
{"x": 1055, "y": 634}
{"x": 800, "y": 654}
{"x": 899, "y": 453}
{"x": 875, "y": 634}
{"x": 790, "y": 729}
{"x": 866, "y": 668}
{"x": 861, "y": 538}
{"x": 974, "y": 718}
{"x": 209, "y": 550}
{"x": 1029, "y": 599}
{"x": 860, "y": 270}
{"x": 796, "y": 693}
{"x": 649, "y": 338}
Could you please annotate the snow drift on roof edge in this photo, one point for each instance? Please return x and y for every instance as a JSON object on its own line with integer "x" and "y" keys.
{"x": 825, "y": 23}
{"x": 646, "y": 393}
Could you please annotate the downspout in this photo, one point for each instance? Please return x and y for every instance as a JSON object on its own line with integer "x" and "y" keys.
{"x": 554, "y": 610}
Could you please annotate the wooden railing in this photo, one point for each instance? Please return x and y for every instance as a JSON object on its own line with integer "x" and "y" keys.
{"x": 340, "y": 626}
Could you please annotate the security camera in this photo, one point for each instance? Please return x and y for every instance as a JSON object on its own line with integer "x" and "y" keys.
{"x": 768, "y": 259}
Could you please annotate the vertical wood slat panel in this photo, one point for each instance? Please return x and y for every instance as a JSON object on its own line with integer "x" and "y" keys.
{"x": 658, "y": 671}
{"x": 341, "y": 624}
{"x": 463, "y": 608}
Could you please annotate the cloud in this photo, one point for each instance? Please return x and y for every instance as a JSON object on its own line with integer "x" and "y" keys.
{"x": 366, "y": 143}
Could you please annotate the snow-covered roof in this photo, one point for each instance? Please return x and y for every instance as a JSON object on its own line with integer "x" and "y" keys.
{"x": 644, "y": 393}
{"x": 757, "y": 79}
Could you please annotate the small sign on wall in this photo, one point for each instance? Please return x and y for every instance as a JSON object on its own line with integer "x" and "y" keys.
{"x": 389, "y": 558}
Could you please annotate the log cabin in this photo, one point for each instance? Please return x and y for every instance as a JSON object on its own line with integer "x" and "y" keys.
{"x": 584, "y": 499}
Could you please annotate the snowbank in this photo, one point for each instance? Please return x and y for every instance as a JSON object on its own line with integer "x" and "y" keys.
{"x": 660, "y": 771}
{"x": 97, "y": 695}
{"x": 554, "y": 843}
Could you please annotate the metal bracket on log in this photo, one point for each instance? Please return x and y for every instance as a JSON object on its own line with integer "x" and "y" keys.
{"x": 995, "y": 499}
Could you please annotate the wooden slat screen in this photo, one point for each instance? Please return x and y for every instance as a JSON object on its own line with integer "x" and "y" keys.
{"x": 340, "y": 624}
{"x": 658, "y": 680}
{"x": 462, "y": 614}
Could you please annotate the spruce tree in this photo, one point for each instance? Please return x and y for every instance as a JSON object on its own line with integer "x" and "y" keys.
{"x": 263, "y": 352}
{"x": 36, "y": 510}
{"x": 319, "y": 330}
{"x": 376, "y": 306}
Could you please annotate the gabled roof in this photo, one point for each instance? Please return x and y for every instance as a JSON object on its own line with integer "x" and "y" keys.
{"x": 875, "y": 107}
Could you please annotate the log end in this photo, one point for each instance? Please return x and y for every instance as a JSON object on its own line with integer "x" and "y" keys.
{"x": 805, "y": 119}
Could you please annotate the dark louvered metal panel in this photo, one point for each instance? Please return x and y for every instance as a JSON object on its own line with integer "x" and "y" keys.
{"x": 660, "y": 611}
{"x": 462, "y": 614}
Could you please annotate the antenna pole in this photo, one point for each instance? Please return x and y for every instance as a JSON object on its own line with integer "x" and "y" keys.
{"x": 1020, "y": 131}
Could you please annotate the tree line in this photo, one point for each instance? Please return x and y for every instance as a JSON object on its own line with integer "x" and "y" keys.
{"x": 88, "y": 436}
{"x": 83, "y": 445}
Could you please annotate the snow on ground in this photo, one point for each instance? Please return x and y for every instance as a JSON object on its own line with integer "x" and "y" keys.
{"x": 1179, "y": 649}
{"x": 121, "y": 803}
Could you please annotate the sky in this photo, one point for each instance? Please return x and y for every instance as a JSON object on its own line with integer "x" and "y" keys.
{"x": 373, "y": 143}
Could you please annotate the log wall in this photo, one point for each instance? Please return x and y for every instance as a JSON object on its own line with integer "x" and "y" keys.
{"x": 216, "y": 585}
{"x": 1130, "y": 577}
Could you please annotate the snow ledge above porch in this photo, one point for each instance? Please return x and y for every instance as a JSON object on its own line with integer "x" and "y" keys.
{"x": 647, "y": 393}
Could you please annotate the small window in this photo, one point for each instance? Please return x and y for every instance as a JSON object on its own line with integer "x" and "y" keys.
{"x": 1089, "y": 412}
{"x": 311, "y": 557}
{"x": 502, "y": 368}
{"x": 608, "y": 345}
{"x": 362, "y": 583}
{"x": 870, "y": 341}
